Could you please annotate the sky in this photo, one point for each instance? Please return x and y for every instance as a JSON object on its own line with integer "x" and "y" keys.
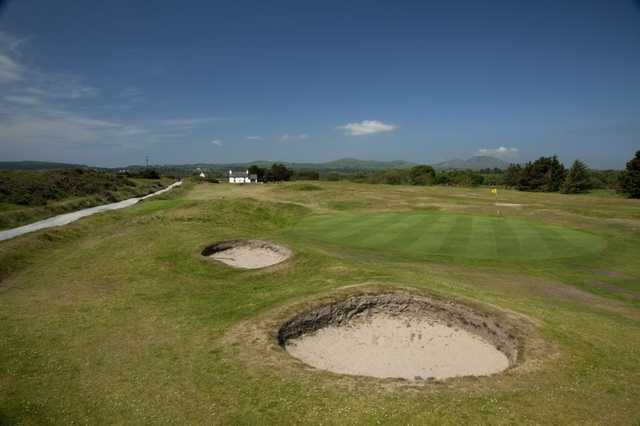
{"x": 109, "y": 83}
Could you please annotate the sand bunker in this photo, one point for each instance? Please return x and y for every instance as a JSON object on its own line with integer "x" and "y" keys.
{"x": 247, "y": 254}
{"x": 401, "y": 336}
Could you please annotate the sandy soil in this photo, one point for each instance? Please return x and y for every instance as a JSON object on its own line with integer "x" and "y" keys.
{"x": 395, "y": 346}
{"x": 250, "y": 256}
{"x": 509, "y": 205}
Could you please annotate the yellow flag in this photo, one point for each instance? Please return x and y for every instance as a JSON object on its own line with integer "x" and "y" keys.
{"x": 494, "y": 191}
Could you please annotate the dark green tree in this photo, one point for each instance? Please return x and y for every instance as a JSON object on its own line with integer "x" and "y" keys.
{"x": 422, "y": 175}
{"x": 578, "y": 179}
{"x": 512, "y": 175}
{"x": 546, "y": 174}
{"x": 630, "y": 178}
{"x": 278, "y": 173}
{"x": 259, "y": 171}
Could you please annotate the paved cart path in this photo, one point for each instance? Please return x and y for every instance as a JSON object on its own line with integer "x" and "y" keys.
{"x": 66, "y": 218}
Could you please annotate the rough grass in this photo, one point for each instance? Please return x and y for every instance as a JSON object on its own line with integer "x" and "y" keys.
{"x": 29, "y": 196}
{"x": 117, "y": 319}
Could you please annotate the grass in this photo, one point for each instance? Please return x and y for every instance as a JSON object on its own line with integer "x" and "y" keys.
{"x": 116, "y": 319}
{"x": 29, "y": 196}
{"x": 420, "y": 234}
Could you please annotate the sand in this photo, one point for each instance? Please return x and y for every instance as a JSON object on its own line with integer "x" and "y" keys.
{"x": 382, "y": 345}
{"x": 509, "y": 205}
{"x": 248, "y": 254}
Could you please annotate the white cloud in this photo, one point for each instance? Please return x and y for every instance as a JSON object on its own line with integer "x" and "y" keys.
{"x": 254, "y": 138}
{"x": 303, "y": 136}
{"x": 501, "y": 152}
{"x": 217, "y": 142}
{"x": 284, "y": 137}
{"x": 367, "y": 127}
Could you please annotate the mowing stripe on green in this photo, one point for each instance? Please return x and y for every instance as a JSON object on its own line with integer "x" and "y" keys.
{"x": 384, "y": 235}
{"x": 506, "y": 240}
{"x": 432, "y": 236}
{"x": 458, "y": 237}
{"x": 359, "y": 228}
{"x": 409, "y": 237}
{"x": 437, "y": 233}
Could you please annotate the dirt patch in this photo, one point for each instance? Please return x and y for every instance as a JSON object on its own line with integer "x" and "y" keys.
{"x": 508, "y": 205}
{"x": 247, "y": 254}
{"x": 401, "y": 336}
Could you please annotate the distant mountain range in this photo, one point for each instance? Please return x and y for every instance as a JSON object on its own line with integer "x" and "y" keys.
{"x": 341, "y": 165}
{"x": 474, "y": 163}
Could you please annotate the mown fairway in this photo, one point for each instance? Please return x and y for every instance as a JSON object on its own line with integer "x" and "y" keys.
{"x": 422, "y": 234}
{"x": 117, "y": 319}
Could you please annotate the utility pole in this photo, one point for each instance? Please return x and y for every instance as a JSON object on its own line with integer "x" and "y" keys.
{"x": 146, "y": 158}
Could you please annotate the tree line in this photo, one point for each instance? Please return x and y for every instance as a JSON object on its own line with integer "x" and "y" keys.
{"x": 546, "y": 174}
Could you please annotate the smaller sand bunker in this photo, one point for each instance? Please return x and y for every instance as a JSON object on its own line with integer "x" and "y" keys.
{"x": 400, "y": 336}
{"x": 247, "y": 254}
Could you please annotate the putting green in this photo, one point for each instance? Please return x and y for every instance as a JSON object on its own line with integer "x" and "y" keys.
{"x": 444, "y": 234}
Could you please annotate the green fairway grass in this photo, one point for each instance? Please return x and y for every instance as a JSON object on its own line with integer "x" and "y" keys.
{"x": 437, "y": 233}
{"x": 117, "y": 318}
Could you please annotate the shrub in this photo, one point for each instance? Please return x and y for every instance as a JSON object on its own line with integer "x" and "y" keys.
{"x": 422, "y": 175}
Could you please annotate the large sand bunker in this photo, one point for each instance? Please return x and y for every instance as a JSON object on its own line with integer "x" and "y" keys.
{"x": 399, "y": 335}
{"x": 247, "y": 254}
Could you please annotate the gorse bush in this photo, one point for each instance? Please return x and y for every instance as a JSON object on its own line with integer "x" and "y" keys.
{"x": 36, "y": 188}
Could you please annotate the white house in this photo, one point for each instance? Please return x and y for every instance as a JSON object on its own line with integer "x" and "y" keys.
{"x": 242, "y": 177}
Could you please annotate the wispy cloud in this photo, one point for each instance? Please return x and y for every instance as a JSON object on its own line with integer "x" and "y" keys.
{"x": 39, "y": 108}
{"x": 131, "y": 94}
{"x": 10, "y": 70}
{"x": 189, "y": 122}
{"x": 501, "y": 152}
{"x": 255, "y": 138}
{"x": 11, "y": 42}
{"x": 23, "y": 100}
{"x": 367, "y": 127}
{"x": 287, "y": 137}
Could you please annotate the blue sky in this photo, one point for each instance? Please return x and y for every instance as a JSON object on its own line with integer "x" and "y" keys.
{"x": 107, "y": 83}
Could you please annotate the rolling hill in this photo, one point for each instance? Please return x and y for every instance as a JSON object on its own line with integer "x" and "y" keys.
{"x": 473, "y": 163}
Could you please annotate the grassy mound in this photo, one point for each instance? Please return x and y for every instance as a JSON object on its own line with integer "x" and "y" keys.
{"x": 303, "y": 187}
